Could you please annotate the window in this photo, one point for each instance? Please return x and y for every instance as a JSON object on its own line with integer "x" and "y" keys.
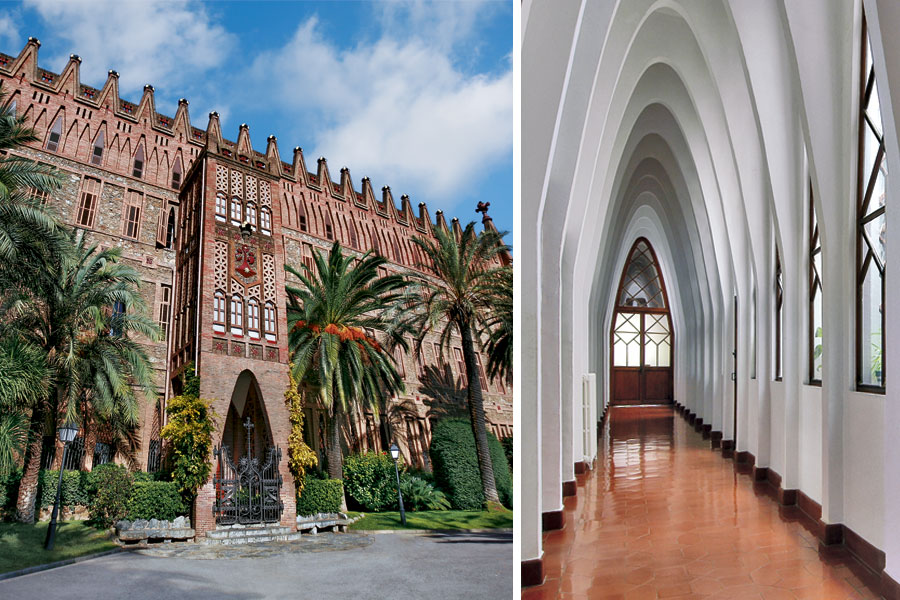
{"x": 779, "y": 305}
{"x": 354, "y": 242}
{"x": 170, "y": 229}
{"x": 265, "y": 220}
{"x": 87, "y": 205}
{"x": 165, "y": 304}
{"x": 329, "y": 231}
{"x": 870, "y": 232}
{"x": 36, "y": 195}
{"x": 398, "y": 361}
{"x": 176, "y": 174}
{"x": 219, "y": 312}
{"x": 138, "y": 162}
{"x": 117, "y": 312}
{"x": 251, "y": 215}
{"x": 55, "y": 135}
{"x": 303, "y": 226}
{"x": 420, "y": 362}
{"x": 269, "y": 322}
{"x": 97, "y": 152}
{"x": 484, "y": 380}
{"x": 253, "y": 318}
{"x": 815, "y": 295}
{"x": 237, "y": 315}
{"x": 236, "y": 210}
{"x": 132, "y": 216}
{"x": 221, "y": 209}
{"x": 461, "y": 365}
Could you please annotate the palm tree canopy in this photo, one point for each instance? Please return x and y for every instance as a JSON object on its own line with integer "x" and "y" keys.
{"x": 84, "y": 311}
{"x": 461, "y": 286}
{"x": 498, "y": 327}
{"x": 24, "y": 222}
{"x": 329, "y": 313}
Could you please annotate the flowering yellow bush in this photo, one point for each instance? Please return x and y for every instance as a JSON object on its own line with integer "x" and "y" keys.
{"x": 300, "y": 456}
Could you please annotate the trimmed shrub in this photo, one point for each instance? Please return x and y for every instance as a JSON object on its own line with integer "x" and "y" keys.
{"x": 90, "y": 478}
{"x": 155, "y": 500}
{"x": 9, "y": 490}
{"x": 320, "y": 496}
{"x": 72, "y": 493}
{"x": 456, "y": 465}
{"x": 507, "y": 443}
{"x": 370, "y": 481}
{"x": 418, "y": 494}
{"x": 114, "y": 487}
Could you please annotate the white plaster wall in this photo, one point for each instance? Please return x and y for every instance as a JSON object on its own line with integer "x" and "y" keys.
{"x": 864, "y": 466}
{"x": 811, "y": 441}
{"x": 776, "y": 392}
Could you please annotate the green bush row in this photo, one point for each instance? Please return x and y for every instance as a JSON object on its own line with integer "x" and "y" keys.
{"x": 456, "y": 469}
{"x": 320, "y": 496}
{"x": 155, "y": 500}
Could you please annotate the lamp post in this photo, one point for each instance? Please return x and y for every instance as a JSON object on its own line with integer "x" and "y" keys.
{"x": 67, "y": 433}
{"x": 395, "y": 454}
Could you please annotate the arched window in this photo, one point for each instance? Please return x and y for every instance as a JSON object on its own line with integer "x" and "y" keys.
{"x": 870, "y": 232}
{"x": 265, "y": 220}
{"x": 253, "y": 318}
{"x": 138, "y": 170}
{"x": 236, "y": 210}
{"x": 219, "y": 311}
{"x": 815, "y": 295}
{"x": 97, "y": 152}
{"x": 779, "y": 306}
{"x": 176, "y": 174}
{"x": 221, "y": 207}
{"x": 55, "y": 135}
{"x": 302, "y": 215}
{"x": 329, "y": 230}
{"x": 237, "y": 315}
{"x": 269, "y": 322}
{"x": 170, "y": 229}
{"x": 351, "y": 226}
{"x": 251, "y": 215}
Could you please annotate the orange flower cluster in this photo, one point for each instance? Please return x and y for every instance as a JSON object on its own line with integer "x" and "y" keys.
{"x": 346, "y": 334}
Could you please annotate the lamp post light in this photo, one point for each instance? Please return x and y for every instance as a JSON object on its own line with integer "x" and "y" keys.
{"x": 67, "y": 433}
{"x": 395, "y": 454}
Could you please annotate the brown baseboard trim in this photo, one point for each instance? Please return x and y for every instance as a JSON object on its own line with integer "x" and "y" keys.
{"x": 691, "y": 418}
{"x": 707, "y": 430}
{"x": 865, "y": 552}
{"x": 890, "y": 589}
{"x": 569, "y": 488}
{"x": 715, "y": 439}
{"x": 812, "y": 508}
{"x": 773, "y": 478}
{"x": 787, "y": 497}
{"x": 727, "y": 448}
{"x": 831, "y": 534}
{"x": 553, "y": 520}
{"x": 761, "y": 474}
{"x": 698, "y": 424}
{"x": 581, "y": 467}
{"x": 532, "y": 572}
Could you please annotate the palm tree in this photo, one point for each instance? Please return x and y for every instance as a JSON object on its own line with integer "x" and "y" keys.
{"x": 333, "y": 317}
{"x": 460, "y": 294}
{"x": 24, "y": 381}
{"x": 498, "y": 328}
{"x": 83, "y": 312}
{"x": 26, "y": 226}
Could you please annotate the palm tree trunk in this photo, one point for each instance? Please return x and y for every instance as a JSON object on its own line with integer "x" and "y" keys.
{"x": 476, "y": 416}
{"x": 29, "y": 484}
{"x": 335, "y": 458}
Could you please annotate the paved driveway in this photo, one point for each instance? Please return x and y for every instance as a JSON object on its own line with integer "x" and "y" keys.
{"x": 395, "y": 566}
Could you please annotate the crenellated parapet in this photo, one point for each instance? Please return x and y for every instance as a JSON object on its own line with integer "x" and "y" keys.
{"x": 137, "y": 131}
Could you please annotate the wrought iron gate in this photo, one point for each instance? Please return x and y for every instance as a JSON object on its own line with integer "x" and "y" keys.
{"x": 248, "y": 492}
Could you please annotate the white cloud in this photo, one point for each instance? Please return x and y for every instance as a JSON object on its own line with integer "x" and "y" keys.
{"x": 398, "y": 111}
{"x": 161, "y": 43}
{"x": 9, "y": 32}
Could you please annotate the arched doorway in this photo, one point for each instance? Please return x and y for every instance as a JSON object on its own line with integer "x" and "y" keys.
{"x": 641, "y": 339}
{"x": 247, "y": 478}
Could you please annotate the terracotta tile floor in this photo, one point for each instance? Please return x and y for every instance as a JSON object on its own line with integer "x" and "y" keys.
{"x": 663, "y": 516}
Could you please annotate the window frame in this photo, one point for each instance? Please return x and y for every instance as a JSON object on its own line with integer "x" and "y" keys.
{"x": 866, "y": 179}
{"x": 134, "y": 201}
{"x": 91, "y": 211}
{"x": 220, "y": 305}
{"x": 815, "y": 287}
{"x": 778, "y": 297}
{"x": 139, "y": 162}
{"x": 236, "y": 315}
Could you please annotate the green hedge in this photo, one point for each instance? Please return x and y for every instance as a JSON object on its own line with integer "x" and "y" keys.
{"x": 320, "y": 496}
{"x": 370, "y": 481}
{"x": 9, "y": 489}
{"x": 73, "y": 488}
{"x": 155, "y": 500}
{"x": 456, "y": 465}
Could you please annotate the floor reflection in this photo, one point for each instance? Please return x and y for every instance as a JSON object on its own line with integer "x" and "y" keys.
{"x": 664, "y": 516}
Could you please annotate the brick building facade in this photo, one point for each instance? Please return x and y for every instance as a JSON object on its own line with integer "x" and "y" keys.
{"x": 173, "y": 196}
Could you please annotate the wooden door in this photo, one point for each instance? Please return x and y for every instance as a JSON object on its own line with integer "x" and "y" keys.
{"x": 641, "y": 338}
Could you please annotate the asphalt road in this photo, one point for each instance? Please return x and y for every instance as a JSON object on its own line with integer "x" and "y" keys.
{"x": 395, "y": 566}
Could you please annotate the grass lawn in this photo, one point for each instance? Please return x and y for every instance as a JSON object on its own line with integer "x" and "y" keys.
{"x": 23, "y": 545}
{"x": 437, "y": 519}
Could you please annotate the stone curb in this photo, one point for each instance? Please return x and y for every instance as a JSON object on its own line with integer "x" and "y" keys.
{"x": 498, "y": 530}
{"x": 59, "y": 563}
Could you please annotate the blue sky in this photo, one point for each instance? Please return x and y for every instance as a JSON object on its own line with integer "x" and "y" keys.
{"x": 415, "y": 95}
